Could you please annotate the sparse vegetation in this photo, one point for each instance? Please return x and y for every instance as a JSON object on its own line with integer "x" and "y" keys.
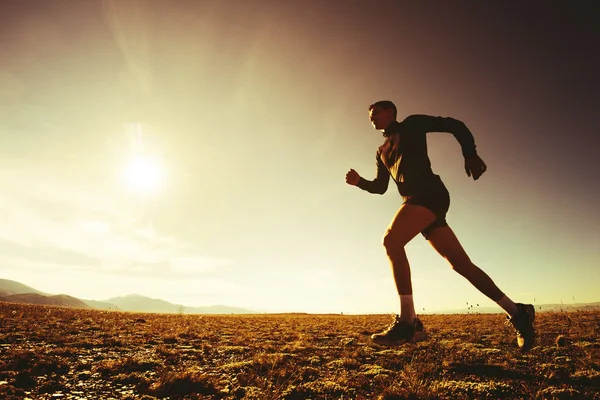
{"x": 55, "y": 352}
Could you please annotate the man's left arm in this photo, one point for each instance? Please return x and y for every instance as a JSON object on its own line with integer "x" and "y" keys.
{"x": 474, "y": 166}
{"x": 427, "y": 123}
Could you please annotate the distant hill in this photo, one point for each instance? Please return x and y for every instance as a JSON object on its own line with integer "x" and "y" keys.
{"x": 8, "y": 287}
{"x": 53, "y": 300}
{"x": 538, "y": 308}
{"x": 13, "y": 291}
{"x": 569, "y": 307}
{"x": 99, "y": 304}
{"x": 137, "y": 303}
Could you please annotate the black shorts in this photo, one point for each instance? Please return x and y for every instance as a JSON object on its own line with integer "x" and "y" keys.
{"x": 437, "y": 199}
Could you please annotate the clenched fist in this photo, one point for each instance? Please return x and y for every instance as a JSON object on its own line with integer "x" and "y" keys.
{"x": 352, "y": 177}
{"x": 475, "y": 167}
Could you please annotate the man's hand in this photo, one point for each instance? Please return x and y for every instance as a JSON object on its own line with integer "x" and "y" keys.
{"x": 474, "y": 166}
{"x": 352, "y": 177}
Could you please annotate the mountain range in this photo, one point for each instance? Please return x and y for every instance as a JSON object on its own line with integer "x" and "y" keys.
{"x": 538, "y": 308}
{"x": 12, "y": 291}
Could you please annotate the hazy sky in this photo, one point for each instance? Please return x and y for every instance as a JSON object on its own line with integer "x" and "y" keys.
{"x": 242, "y": 119}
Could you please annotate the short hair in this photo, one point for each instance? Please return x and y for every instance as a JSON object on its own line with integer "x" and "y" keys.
{"x": 386, "y": 105}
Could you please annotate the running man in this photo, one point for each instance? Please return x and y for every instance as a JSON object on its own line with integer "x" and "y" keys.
{"x": 403, "y": 156}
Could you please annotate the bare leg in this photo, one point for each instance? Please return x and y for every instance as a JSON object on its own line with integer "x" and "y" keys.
{"x": 521, "y": 316}
{"x": 446, "y": 243}
{"x": 409, "y": 221}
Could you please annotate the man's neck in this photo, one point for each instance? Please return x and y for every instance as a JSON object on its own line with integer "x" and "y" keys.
{"x": 391, "y": 128}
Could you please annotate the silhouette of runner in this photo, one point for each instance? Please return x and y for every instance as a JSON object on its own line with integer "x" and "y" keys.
{"x": 403, "y": 156}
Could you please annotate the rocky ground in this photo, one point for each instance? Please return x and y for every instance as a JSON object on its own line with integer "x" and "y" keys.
{"x": 64, "y": 353}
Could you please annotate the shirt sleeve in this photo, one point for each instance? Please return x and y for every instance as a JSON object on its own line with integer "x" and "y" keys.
{"x": 427, "y": 123}
{"x": 380, "y": 184}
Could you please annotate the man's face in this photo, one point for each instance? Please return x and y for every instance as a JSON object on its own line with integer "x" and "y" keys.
{"x": 381, "y": 118}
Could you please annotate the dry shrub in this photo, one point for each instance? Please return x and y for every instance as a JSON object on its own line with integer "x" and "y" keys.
{"x": 559, "y": 393}
{"x": 474, "y": 390}
{"x": 187, "y": 382}
{"x": 9, "y": 392}
{"x": 317, "y": 389}
{"x": 122, "y": 366}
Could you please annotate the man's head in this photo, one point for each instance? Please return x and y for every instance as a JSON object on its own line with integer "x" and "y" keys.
{"x": 382, "y": 114}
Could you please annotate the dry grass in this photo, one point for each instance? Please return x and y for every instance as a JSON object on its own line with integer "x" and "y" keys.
{"x": 52, "y": 352}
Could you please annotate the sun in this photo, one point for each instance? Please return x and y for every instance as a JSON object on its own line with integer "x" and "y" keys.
{"x": 143, "y": 174}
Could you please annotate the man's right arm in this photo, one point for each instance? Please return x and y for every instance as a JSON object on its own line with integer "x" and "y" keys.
{"x": 380, "y": 184}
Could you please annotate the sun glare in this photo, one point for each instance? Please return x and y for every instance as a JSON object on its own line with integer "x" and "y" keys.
{"x": 143, "y": 174}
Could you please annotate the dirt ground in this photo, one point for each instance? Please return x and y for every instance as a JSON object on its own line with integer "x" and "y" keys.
{"x": 65, "y": 353}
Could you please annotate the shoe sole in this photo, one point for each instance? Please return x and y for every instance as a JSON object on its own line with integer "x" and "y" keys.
{"x": 418, "y": 337}
{"x": 526, "y": 345}
{"x": 530, "y": 310}
{"x": 531, "y": 315}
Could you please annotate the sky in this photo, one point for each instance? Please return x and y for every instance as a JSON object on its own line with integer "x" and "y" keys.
{"x": 196, "y": 151}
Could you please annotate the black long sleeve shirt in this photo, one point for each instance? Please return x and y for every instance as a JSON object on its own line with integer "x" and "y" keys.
{"x": 403, "y": 156}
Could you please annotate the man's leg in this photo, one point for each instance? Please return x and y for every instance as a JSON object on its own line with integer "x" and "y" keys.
{"x": 445, "y": 242}
{"x": 408, "y": 222}
{"x": 448, "y": 246}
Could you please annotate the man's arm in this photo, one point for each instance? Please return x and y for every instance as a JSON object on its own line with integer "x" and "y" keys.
{"x": 380, "y": 184}
{"x": 427, "y": 123}
{"x": 474, "y": 166}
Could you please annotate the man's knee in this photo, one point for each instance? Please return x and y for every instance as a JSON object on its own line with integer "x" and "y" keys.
{"x": 462, "y": 265}
{"x": 393, "y": 241}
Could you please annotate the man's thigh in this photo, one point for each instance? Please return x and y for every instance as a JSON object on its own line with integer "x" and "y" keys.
{"x": 445, "y": 242}
{"x": 408, "y": 222}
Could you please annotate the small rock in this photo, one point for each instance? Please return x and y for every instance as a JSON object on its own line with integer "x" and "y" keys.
{"x": 348, "y": 341}
{"x": 561, "y": 341}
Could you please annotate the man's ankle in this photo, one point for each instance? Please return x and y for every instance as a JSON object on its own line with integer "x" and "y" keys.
{"x": 407, "y": 308}
{"x": 508, "y": 305}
